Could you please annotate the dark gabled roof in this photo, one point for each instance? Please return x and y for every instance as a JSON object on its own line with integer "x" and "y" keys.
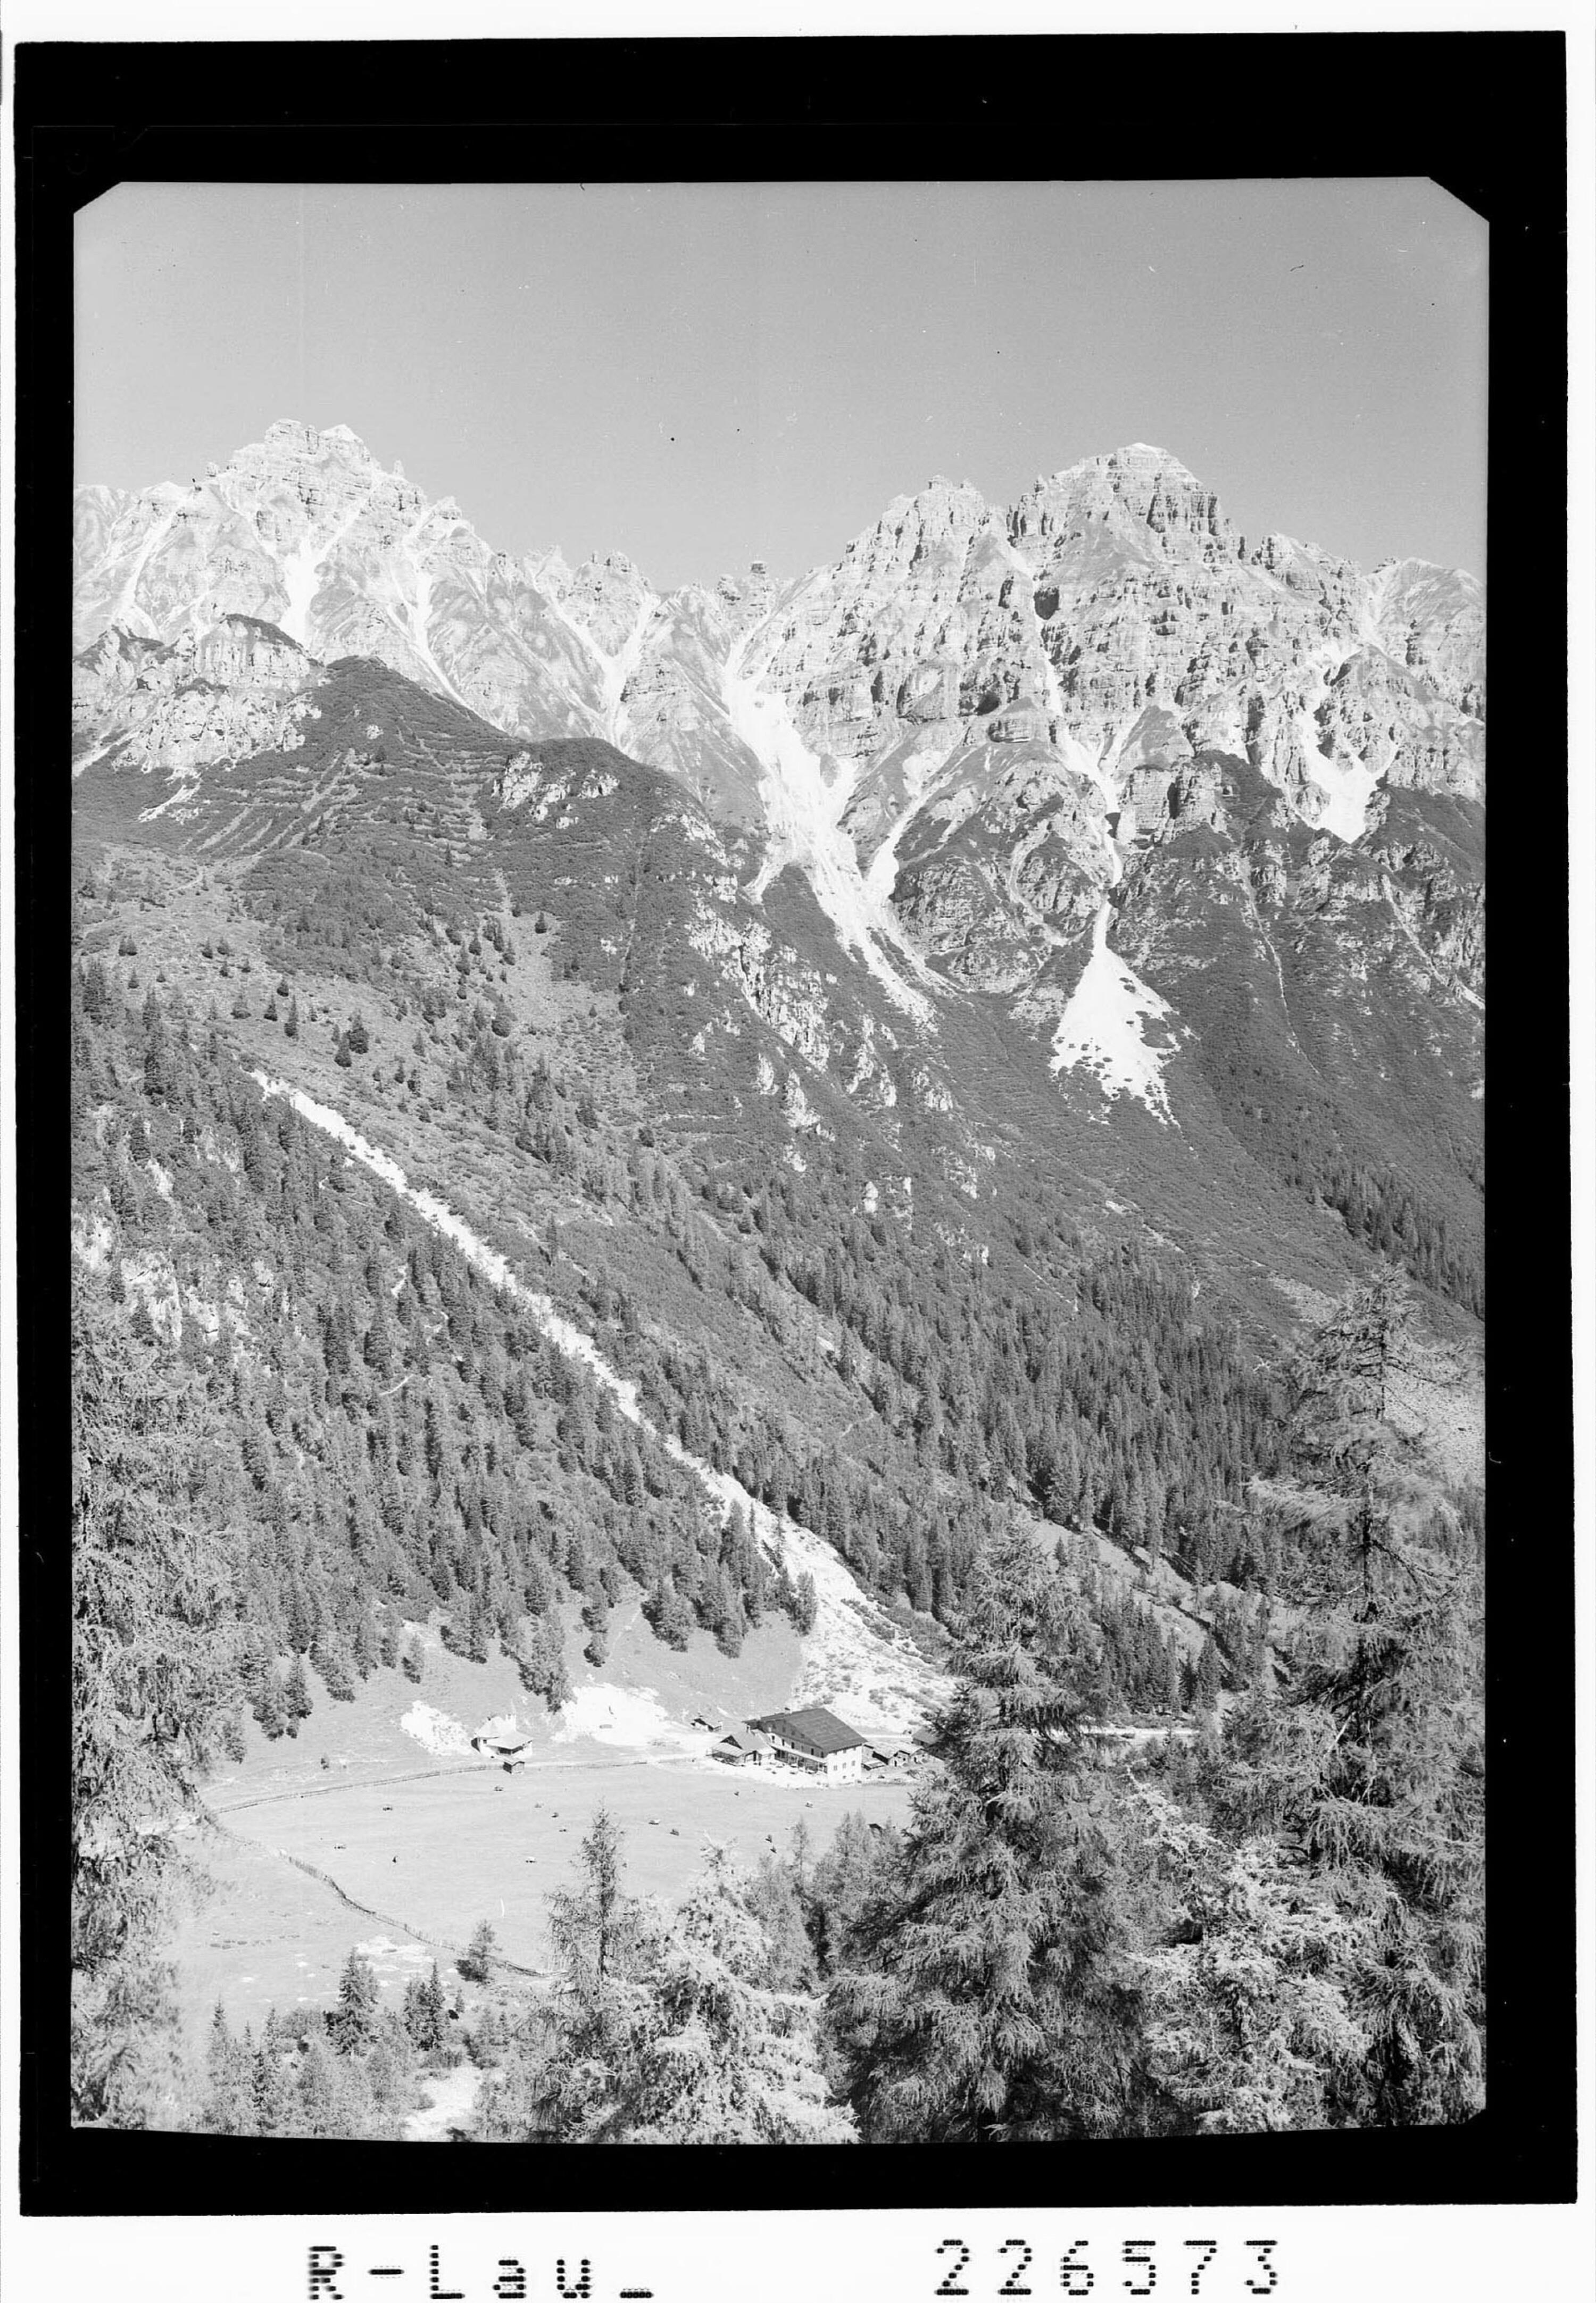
{"x": 821, "y": 1729}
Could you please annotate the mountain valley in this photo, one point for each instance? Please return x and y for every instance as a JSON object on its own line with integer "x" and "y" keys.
{"x": 636, "y": 1139}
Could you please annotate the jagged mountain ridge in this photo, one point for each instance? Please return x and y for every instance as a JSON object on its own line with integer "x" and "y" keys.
{"x": 1063, "y": 760}
{"x": 1279, "y": 651}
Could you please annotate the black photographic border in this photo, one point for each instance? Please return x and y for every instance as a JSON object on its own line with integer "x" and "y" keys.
{"x": 1483, "y": 113}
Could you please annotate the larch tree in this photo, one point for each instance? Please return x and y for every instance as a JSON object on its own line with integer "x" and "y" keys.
{"x": 563, "y": 2079}
{"x": 1374, "y": 1766}
{"x": 990, "y": 1999}
{"x": 1248, "y": 2017}
{"x": 1375, "y": 1769}
{"x": 718, "y": 2055}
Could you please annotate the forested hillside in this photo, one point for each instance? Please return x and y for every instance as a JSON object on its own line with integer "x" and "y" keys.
{"x": 904, "y": 1139}
{"x": 305, "y": 1424}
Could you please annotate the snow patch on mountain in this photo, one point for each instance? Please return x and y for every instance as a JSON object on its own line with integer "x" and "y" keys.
{"x": 619, "y": 668}
{"x": 919, "y": 770}
{"x": 1077, "y": 756}
{"x": 420, "y": 620}
{"x": 614, "y": 671}
{"x": 299, "y": 571}
{"x": 417, "y": 609}
{"x": 1347, "y": 787}
{"x": 126, "y": 611}
{"x": 1347, "y": 784}
{"x": 1101, "y": 1028}
{"x": 804, "y": 819}
{"x": 883, "y": 1686}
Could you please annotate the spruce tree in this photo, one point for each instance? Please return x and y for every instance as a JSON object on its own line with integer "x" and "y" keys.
{"x": 296, "y": 1693}
{"x": 272, "y": 2089}
{"x": 478, "y": 1963}
{"x": 352, "y": 2025}
{"x": 229, "y": 2104}
{"x": 432, "y": 2014}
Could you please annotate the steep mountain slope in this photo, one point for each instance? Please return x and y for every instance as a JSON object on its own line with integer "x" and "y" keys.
{"x": 1035, "y": 958}
{"x": 1090, "y": 806}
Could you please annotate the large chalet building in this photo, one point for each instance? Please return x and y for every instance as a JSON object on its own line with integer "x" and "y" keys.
{"x": 815, "y": 1740}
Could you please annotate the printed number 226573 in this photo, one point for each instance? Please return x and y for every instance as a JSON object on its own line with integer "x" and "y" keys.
{"x": 1142, "y": 2263}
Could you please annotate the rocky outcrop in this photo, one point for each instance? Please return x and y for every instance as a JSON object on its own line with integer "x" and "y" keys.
{"x": 966, "y": 735}
{"x": 239, "y": 688}
{"x": 1112, "y": 613}
{"x": 783, "y": 994}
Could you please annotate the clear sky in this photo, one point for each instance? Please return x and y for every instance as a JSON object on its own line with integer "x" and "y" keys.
{"x": 702, "y": 374}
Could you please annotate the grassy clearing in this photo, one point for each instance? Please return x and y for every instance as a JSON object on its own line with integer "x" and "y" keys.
{"x": 432, "y": 1843}
{"x": 438, "y": 1854}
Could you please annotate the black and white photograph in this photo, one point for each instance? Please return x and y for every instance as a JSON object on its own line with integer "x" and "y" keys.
{"x": 813, "y": 1221}
{"x": 775, "y": 1107}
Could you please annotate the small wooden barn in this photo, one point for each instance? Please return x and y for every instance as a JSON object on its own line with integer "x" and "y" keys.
{"x": 745, "y": 1747}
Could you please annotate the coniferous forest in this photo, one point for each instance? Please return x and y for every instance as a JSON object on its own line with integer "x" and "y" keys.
{"x": 1263, "y": 1914}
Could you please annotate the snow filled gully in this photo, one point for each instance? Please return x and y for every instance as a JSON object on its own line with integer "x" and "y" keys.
{"x": 300, "y": 572}
{"x": 1102, "y": 1029}
{"x": 803, "y": 826}
{"x": 854, "y": 1655}
{"x": 614, "y": 671}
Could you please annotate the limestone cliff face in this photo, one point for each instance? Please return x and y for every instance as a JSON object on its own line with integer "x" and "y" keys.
{"x": 305, "y": 530}
{"x": 241, "y": 689}
{"x": 94, "y": 513}
{"x": 673, "y": 707}
{"x": 1432, "y": 621}
{"x": 989, "y": 741}
{"x": 1112, "y": 613}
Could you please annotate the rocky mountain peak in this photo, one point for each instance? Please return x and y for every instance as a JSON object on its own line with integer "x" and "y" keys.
{"x": 944, "y": 511}
{"x": 1135, "y": 504}
{"x": 1109, "y": 619}
{"x": 289, "y": 436}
